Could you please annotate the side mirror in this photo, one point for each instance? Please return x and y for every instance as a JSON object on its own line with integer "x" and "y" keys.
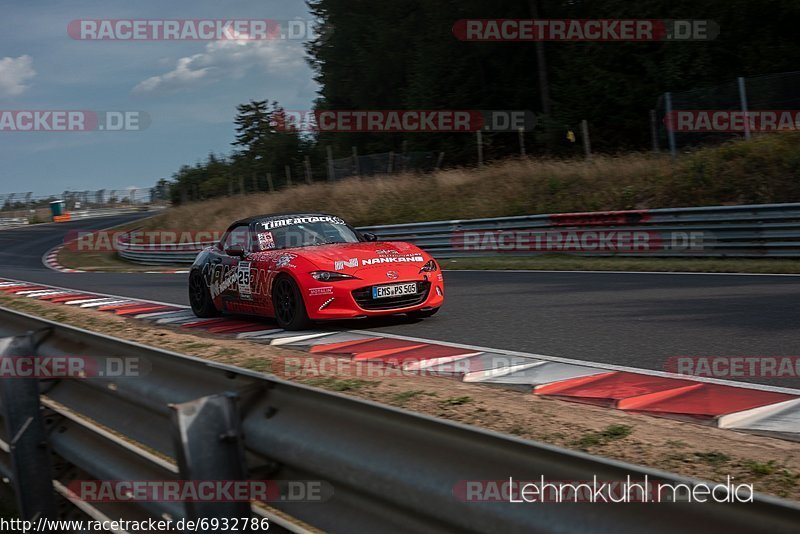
{"x": 369, "y": 236}
{"x": 235, "y": 250}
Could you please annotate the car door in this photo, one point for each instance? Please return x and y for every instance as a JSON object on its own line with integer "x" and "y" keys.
{"x": 235, "y": 282}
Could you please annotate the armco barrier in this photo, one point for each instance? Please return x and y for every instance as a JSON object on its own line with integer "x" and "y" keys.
{"x": 762, "y": 230}
{"x": 183, "y": 418}
{"x": 13, "y": 222}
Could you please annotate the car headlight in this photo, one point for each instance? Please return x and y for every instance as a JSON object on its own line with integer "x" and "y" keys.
{"x": 429, "y": 267}
{"x": 330, "y": 276}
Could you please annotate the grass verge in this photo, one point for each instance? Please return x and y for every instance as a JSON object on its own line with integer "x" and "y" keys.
{"x": 761, "y": 170}
{"x": 771, "y": 465}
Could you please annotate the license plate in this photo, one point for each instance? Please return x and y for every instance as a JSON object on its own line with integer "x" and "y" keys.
{"x": 394, "y": 290}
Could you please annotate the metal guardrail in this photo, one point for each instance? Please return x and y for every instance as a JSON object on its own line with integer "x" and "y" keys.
{"x": 13, "y": 222}
{"x": 748, "y": 231}
{"x": 388, "y": 470}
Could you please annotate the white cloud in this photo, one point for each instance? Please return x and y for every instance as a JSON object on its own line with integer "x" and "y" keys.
{"x": 14, "y": 72}
{"x": 231, "y": 59}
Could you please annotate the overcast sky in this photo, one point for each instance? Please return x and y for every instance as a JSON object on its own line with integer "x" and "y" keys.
{"x": 189, "y": 89}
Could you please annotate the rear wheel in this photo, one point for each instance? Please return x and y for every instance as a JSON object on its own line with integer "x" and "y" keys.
{"x": 422, "y": 314}
{"x": 200, "y": 297}
{"x": 290, "y": 310}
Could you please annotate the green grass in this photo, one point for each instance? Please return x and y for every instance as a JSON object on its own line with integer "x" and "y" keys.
{"x": 602, "y": 437}
{"x": 712, "y": 458}
{"x": 404, "y": 396}
{"x": 456, "y": 401}
{"x": 761, "y": 170}
{"x": 761, "y": 468}
{"x": 350, "y": 384}
{"x": 262, "y": 366}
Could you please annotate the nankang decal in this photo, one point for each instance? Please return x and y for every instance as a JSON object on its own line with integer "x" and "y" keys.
{"x": 279, "y": 223}
{"x": 409, "y": 258}
{"x": 243, "y": 280}
{"x": 338, "y": 265}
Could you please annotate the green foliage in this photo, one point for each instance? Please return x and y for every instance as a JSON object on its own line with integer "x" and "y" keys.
{"x": 403, "y": 55}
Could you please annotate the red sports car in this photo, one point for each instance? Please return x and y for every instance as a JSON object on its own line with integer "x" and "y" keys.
{"x": 304, "y": 267}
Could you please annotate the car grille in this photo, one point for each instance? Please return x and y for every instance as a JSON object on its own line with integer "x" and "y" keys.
{"x": 363, "y": 297}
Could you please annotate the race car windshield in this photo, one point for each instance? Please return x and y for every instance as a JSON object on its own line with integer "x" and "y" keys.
{"x": 306, "y": 235}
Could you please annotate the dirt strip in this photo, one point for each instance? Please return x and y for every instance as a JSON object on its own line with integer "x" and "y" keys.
{"x": 771, "y": 465}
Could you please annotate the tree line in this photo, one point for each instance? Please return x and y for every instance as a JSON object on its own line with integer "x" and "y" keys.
{"x": 403, "y": 55}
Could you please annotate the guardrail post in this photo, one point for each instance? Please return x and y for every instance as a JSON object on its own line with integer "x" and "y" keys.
{"x": 30, "y": 456}
{"x": 209, "y": 446}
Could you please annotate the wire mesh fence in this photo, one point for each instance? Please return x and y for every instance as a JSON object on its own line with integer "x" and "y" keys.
{"x": 750, "y": 96}
{"x": 384, "y": 163}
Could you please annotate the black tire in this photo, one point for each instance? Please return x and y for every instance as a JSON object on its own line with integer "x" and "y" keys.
{"x": 290, "y": 310}
{"x": 423, "y": 314}
{"x": 200, "y": 297}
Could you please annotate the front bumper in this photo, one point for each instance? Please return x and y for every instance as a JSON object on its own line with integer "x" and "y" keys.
{"x": 347, "y": 299}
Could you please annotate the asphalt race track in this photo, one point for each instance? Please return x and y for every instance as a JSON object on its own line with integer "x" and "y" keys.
{"x": 631, "y": 319}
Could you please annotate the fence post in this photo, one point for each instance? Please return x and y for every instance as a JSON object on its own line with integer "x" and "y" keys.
{"x": 670, "y": 123}
{"x": 654, "y": 130}
{"x": 29, "y": 454}
{"x": 331, "y": 174}
{"x": 521, "y": 133}
{"x": 480, "y": 148}
{"x": 241, "y": 184}
{"x": 255, "y": 183}
{"x": 269, "y": 183}
{"x": 356, "y": 167}
{"x": 439, "y": 160}
{"x": 288, "y": 175}
{"x": 743, "y": 101}
{"x": 209, "y": 445}
{"x": 308, "y": 169}
{"x": 587, "y": 143}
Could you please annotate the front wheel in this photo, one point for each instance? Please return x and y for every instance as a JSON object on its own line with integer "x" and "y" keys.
{"x": 422, "y": 314}
{"x": 200, "y": 297}
{"x": 290, "y": 310}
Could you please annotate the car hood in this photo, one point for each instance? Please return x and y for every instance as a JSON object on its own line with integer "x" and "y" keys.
{"x": 351, "y": 258}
